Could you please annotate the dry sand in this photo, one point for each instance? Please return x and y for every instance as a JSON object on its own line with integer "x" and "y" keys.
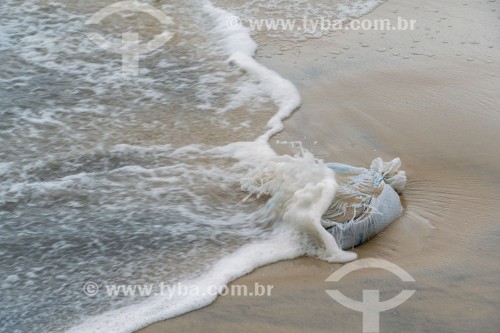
{"x": 432, "y": 97}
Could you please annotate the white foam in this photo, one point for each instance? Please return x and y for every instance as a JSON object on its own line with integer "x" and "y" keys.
{"x": 241, "y": 49}
{"x": 300, "y": 190}
{"x": 283, "y": 92}
{"x": 281, "y": 246}
{"x": 235, "y": 40}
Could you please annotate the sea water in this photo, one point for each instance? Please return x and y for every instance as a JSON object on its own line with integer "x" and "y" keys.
{"x": 161, "y": 177}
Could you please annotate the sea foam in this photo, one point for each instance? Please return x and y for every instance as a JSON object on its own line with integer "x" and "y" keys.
{"x": 300, "y": 189}
{"x": 161, "y": 180}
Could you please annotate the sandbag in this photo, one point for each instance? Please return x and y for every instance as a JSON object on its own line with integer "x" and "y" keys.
{"x": 368, "y": 198}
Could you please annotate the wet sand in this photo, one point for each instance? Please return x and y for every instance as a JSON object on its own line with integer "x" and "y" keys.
{"x": 431, "y": 97}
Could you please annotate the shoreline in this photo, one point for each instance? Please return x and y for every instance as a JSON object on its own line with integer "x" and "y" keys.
{"x": 436, "y": 110}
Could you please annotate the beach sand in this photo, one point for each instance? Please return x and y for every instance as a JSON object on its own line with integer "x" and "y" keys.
{"x": 431, "y": 97}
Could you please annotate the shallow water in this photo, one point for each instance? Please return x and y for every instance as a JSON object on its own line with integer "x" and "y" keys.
{"x": 438, "y": 111}
{"x": 114, "y": 179}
